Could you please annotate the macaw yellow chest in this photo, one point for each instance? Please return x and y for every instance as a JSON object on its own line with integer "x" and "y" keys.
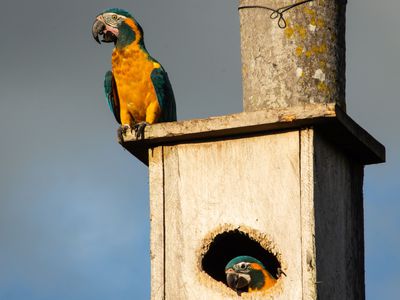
{"x": 132, "y": 69}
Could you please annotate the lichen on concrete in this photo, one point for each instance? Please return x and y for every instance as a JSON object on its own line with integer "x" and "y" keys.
{"x": 272, "y": 57}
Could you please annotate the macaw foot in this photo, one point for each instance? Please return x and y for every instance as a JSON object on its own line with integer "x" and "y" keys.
{"x": 139, "y": 129}
{"x": 280, "y": 273}
{"x": 121, "y": 131}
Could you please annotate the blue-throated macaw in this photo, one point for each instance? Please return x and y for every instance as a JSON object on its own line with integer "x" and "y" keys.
{"x": 137, "y": 89}
{"x": 247, "y": 274}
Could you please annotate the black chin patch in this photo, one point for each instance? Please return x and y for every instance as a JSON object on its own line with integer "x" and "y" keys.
{"x": 241, "y": 283}
{"x": 237, "y": 283}
{"x": 109, "y": 37}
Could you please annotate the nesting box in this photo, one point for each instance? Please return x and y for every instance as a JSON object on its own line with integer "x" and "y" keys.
{"x": 283, "y": 185}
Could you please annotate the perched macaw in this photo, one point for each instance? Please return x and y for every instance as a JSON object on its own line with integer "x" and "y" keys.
{"x": 137, "y": 89}
{"x": 247, "y": 274}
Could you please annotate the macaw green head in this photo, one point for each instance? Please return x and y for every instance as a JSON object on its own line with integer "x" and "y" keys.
{"x": 116, "y": 25}
{"x": 244, "y": 273}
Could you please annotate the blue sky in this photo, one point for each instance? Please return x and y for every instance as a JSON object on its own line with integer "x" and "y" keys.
{"x": 74, "y": 216}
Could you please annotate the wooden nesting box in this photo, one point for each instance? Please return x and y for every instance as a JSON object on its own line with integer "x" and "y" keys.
{"x": 287, "y": 180}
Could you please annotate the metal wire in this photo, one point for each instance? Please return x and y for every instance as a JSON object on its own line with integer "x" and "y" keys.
{"x": 277, "y": 13}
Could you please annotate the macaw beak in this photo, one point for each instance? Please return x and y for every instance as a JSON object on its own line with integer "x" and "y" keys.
{"x": 237, "y": 281}
{"x": 100, "y": 28}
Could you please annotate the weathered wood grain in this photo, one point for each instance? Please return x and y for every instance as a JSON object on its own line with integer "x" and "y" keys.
{"x": 336, "y": 124}
{"x": 307, "y": 175}
{"x": 157, "y": 222}
{"x": 241, "y": 122}
{"x": 251, "y": 181}
{"x": 339, "y": 235}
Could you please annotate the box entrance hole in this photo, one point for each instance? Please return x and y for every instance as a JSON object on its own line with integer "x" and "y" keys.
{"x": 230, "y": 244}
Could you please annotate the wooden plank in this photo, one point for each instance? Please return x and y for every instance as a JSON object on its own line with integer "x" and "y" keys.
{"x": 227, "y": 124}
{"x": 353, "y": 139}
{"x": 338, "y": 223}
{"x": 252, "y": 181}
{"x": 175, "y": 285}
{"x": 333, "y": 122}
{"x": 308, "y": 250}
{"x": 156, "y": 178}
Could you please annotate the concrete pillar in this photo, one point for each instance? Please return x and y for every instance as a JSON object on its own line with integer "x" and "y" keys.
{"x": 295, "y": 60}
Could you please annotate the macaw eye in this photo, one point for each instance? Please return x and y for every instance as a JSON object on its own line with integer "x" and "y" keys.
{"x": 243, "y": 266}
{"x": 114, "y": 17}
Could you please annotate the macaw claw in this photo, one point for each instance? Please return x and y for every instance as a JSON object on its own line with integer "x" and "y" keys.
{"x": 139, "y": 130}
{"x": 122, "y": 131}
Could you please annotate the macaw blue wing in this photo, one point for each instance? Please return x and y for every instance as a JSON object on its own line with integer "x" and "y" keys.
{"x": 110, "y": 88}
{"x": 165, "y": 95}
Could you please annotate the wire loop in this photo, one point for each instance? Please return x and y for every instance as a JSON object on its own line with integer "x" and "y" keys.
{"x": 277, "y": 13}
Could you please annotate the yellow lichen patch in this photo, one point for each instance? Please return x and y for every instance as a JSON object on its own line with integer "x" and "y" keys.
{"x": 309, "y": 11}
{"x": 289, "y": 31}
{"x": 320, "y": 22}
{"x": 322, "y": 87}
{"x": 299, "y": 51}
{"x": 322, "y": 64}
{"x": 308, "y": 53}
{"x": 313, "y": 22}
{"x": 318, "y": 48}
{"x": 302, "y": 32}
{"x": 287, "y": 118}
{"x": 322, "y": 48}
{"x": 315, "y": 49}
{"x": 244, "y": 70}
